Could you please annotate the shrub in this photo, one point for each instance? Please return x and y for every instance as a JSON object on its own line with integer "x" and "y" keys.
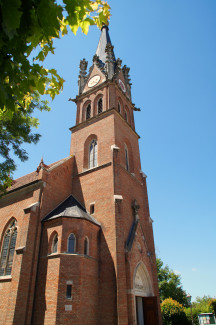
{"x": 173, "y": 313}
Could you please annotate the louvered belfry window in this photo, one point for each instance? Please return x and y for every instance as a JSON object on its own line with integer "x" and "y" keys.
{"x": 100, "y": 106}
{"x": 8, "y": 248}
{"x": 88, "y": 111}
{"x": 93, "y": 154}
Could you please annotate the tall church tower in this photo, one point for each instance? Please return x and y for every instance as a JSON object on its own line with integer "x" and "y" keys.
{"x": 109, "y": 182}
{"x": 76, "y": 239}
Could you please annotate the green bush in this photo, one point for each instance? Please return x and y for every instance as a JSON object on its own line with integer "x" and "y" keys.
{"x": 173, "y": 313}
{"x": 212, "y": 305}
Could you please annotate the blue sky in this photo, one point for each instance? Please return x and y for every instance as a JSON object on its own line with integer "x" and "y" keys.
{"x": 171, "y": 49}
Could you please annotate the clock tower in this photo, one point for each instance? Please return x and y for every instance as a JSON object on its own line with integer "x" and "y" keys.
{"x": 76, "y": 238}
{"x": 109, "y": 182}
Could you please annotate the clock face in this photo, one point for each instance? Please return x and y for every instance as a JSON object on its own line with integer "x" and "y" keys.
{"x": 121, "y": 84}
{"x": 93, "y": 81}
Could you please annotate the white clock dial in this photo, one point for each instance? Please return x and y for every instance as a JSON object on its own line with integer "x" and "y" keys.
{"x": 93, "y": 81}
{"x": 121, "y": 84}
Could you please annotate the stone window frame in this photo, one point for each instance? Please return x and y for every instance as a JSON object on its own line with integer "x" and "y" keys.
{"x": 87, "y": 144}
{"x": 75, "y": 243}
{"x": 94, "y": 154}
{"x": 10, "y": 229}
{"x": 55, "y": 244}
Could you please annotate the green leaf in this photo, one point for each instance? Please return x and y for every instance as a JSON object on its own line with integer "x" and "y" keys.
{"x": 11, "y": 14}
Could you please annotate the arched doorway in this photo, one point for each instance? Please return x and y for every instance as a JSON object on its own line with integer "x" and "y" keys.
{"x": 145, "y": 302}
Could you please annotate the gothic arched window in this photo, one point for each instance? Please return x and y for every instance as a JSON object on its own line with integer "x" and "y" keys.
{"x": 86, "y": 246}
{"x": 71, "y": 243}
{"x": 100, "y": 105}
{"x": 55, "y": 244}
{"x": 126, "y": 158}
{"x": 88, "y": 111}
{"x": 93, "y": 154}
{"x": 119, "y": 107}
{"x": 8, "y": 248}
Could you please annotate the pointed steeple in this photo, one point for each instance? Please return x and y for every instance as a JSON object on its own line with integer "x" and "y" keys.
{"x": 103, "y": 41}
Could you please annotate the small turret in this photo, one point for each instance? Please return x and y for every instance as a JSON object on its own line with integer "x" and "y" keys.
{"x": 82, "y": 75}
{"x": 125, "y": 71}
{"x": 110, "y": 61}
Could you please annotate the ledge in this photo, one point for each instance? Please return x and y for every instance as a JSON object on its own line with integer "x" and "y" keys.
{"x": 94, "y": 169}
{"x": 55, "y": 255}
{"x": 5, "y": 278}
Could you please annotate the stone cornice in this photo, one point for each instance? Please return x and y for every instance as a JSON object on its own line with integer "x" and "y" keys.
{"x": 100, "y": 116}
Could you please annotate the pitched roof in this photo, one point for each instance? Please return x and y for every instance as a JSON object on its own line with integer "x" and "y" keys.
{"x": 103, "y": 41}
{"x": 34, "y": 176}
{"x": 71, "y": 208}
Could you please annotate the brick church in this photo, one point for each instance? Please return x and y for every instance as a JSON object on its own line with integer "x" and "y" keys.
{"x": 76, "y": 239}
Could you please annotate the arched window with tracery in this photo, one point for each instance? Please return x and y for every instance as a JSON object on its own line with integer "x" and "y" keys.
{"x": 8, "y": 248}
{"x": 126, "y": 158}
{"x": 88, "y": 111}
{"x": 55, "y": 244}
{"x": 93, "y": 154}
{"x": 100, "y": 105}
{"x": 71, "y": 244}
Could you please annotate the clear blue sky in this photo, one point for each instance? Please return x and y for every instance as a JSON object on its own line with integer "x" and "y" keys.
{"x": 170, "y": 46}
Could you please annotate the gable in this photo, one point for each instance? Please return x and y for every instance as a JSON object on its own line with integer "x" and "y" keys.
{"x": 95, "y": 78}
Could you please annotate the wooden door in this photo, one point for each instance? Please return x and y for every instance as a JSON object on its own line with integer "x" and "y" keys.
{"x": 150, "y": 310}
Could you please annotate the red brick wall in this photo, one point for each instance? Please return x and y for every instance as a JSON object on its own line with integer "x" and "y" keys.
{"x": 56, "y": 269}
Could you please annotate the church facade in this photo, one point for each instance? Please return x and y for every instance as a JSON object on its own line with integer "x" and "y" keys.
{"x": 76, "y": 238}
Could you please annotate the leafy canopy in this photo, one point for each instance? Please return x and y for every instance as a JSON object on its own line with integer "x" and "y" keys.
{"x": 170, "y": 284}
{"x": 28, "y": 28}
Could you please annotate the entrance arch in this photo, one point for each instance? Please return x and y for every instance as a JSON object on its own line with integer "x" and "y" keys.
{"x": 145, "y": 302}
{"x": 142, "y": 282}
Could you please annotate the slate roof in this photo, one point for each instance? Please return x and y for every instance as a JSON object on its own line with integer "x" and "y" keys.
{"x": 103, "y": 41}
{"x": 71, "y": 208}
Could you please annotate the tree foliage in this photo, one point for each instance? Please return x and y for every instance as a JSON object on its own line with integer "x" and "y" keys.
{"x": 173, "y": 312}
{"x": 28, "y": 29}
{"x": 212, "y": 305}
{"x": 201, "y": 305}
{"x": 170, "y": 284}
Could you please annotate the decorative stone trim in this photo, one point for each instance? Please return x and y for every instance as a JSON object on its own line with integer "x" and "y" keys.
{"x": 150, "y": 220}
{"x": 94, "y": 169}
{"x": 20, "y": 250}
{"x": 31, "y": 207}
{"x": 5, "y": 278}
{"x": 69, "y": 282}
{"x": 143, "y": 174}
{"x": 118, "y": 198}
{"x": 114, "y": 147}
